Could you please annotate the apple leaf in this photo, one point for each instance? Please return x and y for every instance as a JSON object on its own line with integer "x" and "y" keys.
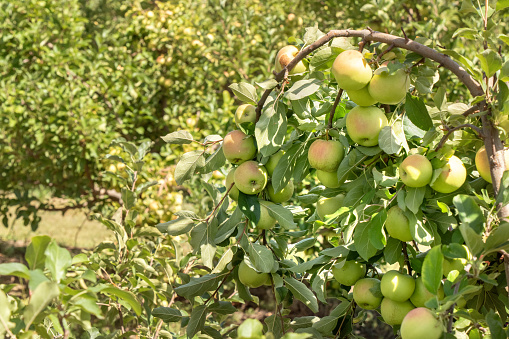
{"x": 362, "y": 241}
{"x": 187, "y": 165}
{"x": 326, "y": 325}
{"x": 57, "y": 260}
{"x": 392, "y": 252}
{"x": 286, "y": 165}
{"x": 472, "y": 239}
{"x": 167, "y": 314}
{"x": 228, "y": 226}
{"x": 245, "y": 92}
{"x": 283, "y": 216}
{"x": 198, "y": 286}
{"x": 389, "y": 141}
{"x": 250, "y": 206}
{"x": 303, "y": 88}
{"x": 503, "y": 193}
{"x": 16, "y": 269}
{"x": 318, "y": 285}
{"x": 491, "y": 62}
{"x": 376, "y": 230}
{"x": 432, "y": 269}
{"x": 34, "y": 254}
{"x": 504, "y": 38}
{"x": 321, "y": 58}
{"x": 176, "y": 227}
{"x": 302, "y": 293}
{"x": 178, "y": 138}
{"x": 417, "y": 112}
{"x": 414, "y": 198}
{"x": 270, "y": 130}
{"x": 261, "y": 257}
{"x": 41, "y": 297}
{"x": 197, "y": 320}
{"x": 502, "y": 4}
{"x": 208, "y": 246}
{"x": 420, "y": 233}
{"x": 469, "y": 212}
{"x": 226, "y": 258}
{"x": 267, "y": 84}
{"x": 496, "y": 325}
{"x": 498, "y": 238}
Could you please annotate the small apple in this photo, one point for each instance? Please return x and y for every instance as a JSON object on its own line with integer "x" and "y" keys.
{"x": 451, "y": 177}
{"x": 238, "y": 147}
{"x": 327, "y": 206}
{"x": 250, "y": 177}
{"x": 230, "y": 179}
{"x": 245, "y": 113}
{"x": 271, "y": 164}
{"x": 388, "y": 88}
{"x": 416, "y": 171}
{"x": 366, "y": 293}
{"x": 483, "y": 165}
{"x": 363, "y": 124}
{"x": 393, "y": 312}
{"x": 285, "y": 56}
{"x": 250, "y": 329}
{"x": 351, "y": 70}
{"x": 266, "y": 221}
{"x": 282, "y": 195}
{"x": 455, "y": 264}
{"x": 421, "y": 293}
{"x": 349, "y": 273}
{"x": 250, "y": 277}
{"x": 421, "y": 323}
{"x": 325, "y": 155}
{"x": 361, "y": 97}
{"x": 397, "y": 286}
{"x": 329, "y": 179}
{"x": 397, "y": 224}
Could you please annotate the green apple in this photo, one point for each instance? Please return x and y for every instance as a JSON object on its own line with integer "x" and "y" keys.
{"x": 474, "y": 334}
{"x": 366, "y": 293}
{"x": 351, "y": 70}
{"x": 388, "y": 88}
{"x": 397, "y": 224}
{"x": 238, "y": 147}
{"x": 361, "y": 97}
{"x": 250, "y": 277}
{"x": 250, "y": 177}
{"x": 273, "y": 161}
{"x": 483, "y": 165}
{"x": 451, "y": 176}
{"x": 397, "y": 286}
{"x": 282, "y": 195}
{"x": 234, "y": 191}
{"x": 327, "y": 206}
{"x": 456, "y": 264}
{"x": 421, "y": 323}
{"x": 349, "y": 273}
{"x": 416, "y": 171}
{"x": 393, "y": 312}
{"x": 266, "y": 221}
{"x": 363, "y": 124}
{"x": 285, "y": 56}
{"x": 421, "y": 293}
{"x": 325, "y": 155}
{"x": 250, "y": 329}
{"x": 245, "y": 113}
{"x": 329, "y": 179}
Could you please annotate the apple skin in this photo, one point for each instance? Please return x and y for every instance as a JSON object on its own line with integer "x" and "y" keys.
{"x": 285, "y": 56}
{"x": 397, "y": 224}
{"x": 456, "y": 264}
{"x": 250, "y": 177}
{"x": 421, "y": 293}
{"x": 245, "y": 113}
{"x": 326, "y": 206}
{"x": 388, "y": 88}
{"x": 483, "y": 165}
{"x": 250, "y": 277}
{"x": 271, "y": 164}
{"x": 366, "y": 293}
{"x": 393, "y": 312}
{"x": 397, "y": 286}
{"x": 239, "y": 147}
{"x": 363, "y": 124}
{"x": 250, "y": 329}
{"x": 416, "y": 171}
{"x": 452, "y": 176}
{"x": 349, "y": 273}
{"x": 266, "y": 221}
{"x": 329, "y": 179}
{"x": 283, "y": 195}
{"x": 326, "y": 155}
{"x": 421, "y": 323}
{"x": 234, "y": 191}
{"x": 361, "y": 97}
{"x": 351, "y": 70}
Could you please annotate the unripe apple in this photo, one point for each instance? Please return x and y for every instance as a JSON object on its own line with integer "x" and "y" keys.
{"x": 421, "y": 293}
{"x": 349, "y": 273}
{"x": 230, "y": 179}
{"x": 266, "y": 221}
{"x": 421, "y": 323}
{"x": 250, "y": 177}
{"x": 388, "y": 88}
{"x": 326, "y": 155}
{"x": 393, "y": 311}
{"x": 363, "y": 124}
{"x": 483, "y": 165}
{"x": 366, "y": 293}
{"x": 282, "y": 195}
{"x": 327, "y": 206}
{"x": 285, "y": 56}
{"x": 239, "y": 147}
{"x": 397, "y": 286}
{"x": 416, "y": 171}
{"x": 455, "y": 264}
{"x": 351, "y": 70}
{"x": 250, "y": 277}
{"x": 451, "y": 177}
{"x": 361, "y": 97}
{"x": 329, "y": 179}
{"x": 271, "y": 164}
{"x": 245, "y": 113}
{"x": 250, "y": 329}
{"x": 397, "y": 224}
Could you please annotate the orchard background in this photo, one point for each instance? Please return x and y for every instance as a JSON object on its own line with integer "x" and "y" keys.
{"x": 117, "y": 111}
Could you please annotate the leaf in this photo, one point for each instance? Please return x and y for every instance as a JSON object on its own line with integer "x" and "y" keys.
{"x": 16, "y": 269}
{"x": 229, "y": 225}
{"x": 214, "y": 162}
{"x": 250, "y": 206}
{"x": 362, "y": 243}
{"x": 58, "y": 260}
{"x": 496, "y": 326}
{"x": 420, "y": 233}
{"x": 469, "y": 212}
{"x": 414, "y": 198}
{"x": 198, "y": 286}
{"x": 326, "y": 325}
{"x": 197, "y": 320}
{"x": 222, "y": 307}
{"x": 41, "y": 297}
{"x": 302, "y": 293}
{"x": 286, "y": 165}
{"x": 376, "y": 232}
{"x": 128, "y": 198}
{"x": 502, "y": 4}
{"x": 226, "y": 258}
{"x": 283, "y": 216}
{"x": 303, "y": 88}
{"x": 321, "y": 58}
{"x": 472, "y": 239}
{"x": 270, "y": 130}
{"x": 35, "y": 252}
{"x": 318, "y": 285}
{"x": 178, "y": 138}
{"x": 176, "y": 227}
{"x": 267, "y": 84}
{"x": 5, "y": 312}
{"x": 392, "y": 252}
{"x": 388, "y": 141}
{"x": 504, "y": 72}
{"x": 245, "y": 92}
{"x": 187, "y": 165}
{"x": 167, "y": 314}
{"x": 261, "y": 257}
{"x": 307, "y": 265}
{"x": 498, "y": 237}
{"x": 417, "y": 112}
{"x": 432, "y": 269}
{"x": 126, "y": 296}
{"x": 491, "y": 62}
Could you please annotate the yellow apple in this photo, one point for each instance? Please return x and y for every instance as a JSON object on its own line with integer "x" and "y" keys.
{"x": 326, "y": 155}
{"x": 451, "y": 177}
{"x": 250, "y": 177}
{"x": 397, "y": 286}
{"x": 393, "y": 311}
{"x": 351, "y": 70}
{"x": 327, "y": 206}
{"x": 421, "y": 323}
{"x": 366, "y": 293}
{"x": 483, "y": 165}
{"x": 363, "y": 124}
{"x": 388, "y": 88}
{"x": 361, "y": 97}
{"x": 397, "y": 224}
{"x": 416, "y": 171}
{"x": 238, "y": 147}
{"x": 230, "y": 179}
{"x": 285, "y": 56}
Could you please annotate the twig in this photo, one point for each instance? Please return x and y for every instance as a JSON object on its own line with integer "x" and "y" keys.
{"x": 352, "y": 306}
{"x": 333, "y": 109}
{"x": 471, "y": 110}
{"x": 452, "y": 130}
{"x": 405, "y": 253}
{"x": 451, "y": 309}
{"x": 506, "y": 266}
{"x": 218, "y": 287}
{"x": 219, "y": 203}
{"x": 379, "y": 57}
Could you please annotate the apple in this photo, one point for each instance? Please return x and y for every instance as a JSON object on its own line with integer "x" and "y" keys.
{"x": 456, "y": 264}
{"x": 361, "y": 97}
{"x": 393, "y": 312}
{"x": 285, "y": 56}
{"x": 363, "y": 124}
{"x": 271, "y": 164}
{"x": 239, "y": 147}
{"x": 250, "y": 277}
{"x": 351, "y": 70}
{"x": 421, "y": 323}
{"x": 245, "y": 113}
{"x": 483, "y": 165}
{"x": 234, "y": 191}
{"x": 397, "y": 224}
{"x": 327, "y": 206}
{"x": 282, "y": 195}
{"x": 397, "y": 286}
{"x": 250, "y": 329}
{"x": 326, "y": 155}
{"x": 266, "y": 221}
{"x": 388, "y": 88}
{"x": 451, "y": 177}
{"x": 416, "y": 171}
{"x": 421, "y": 293}
{"x": 349, "y": 273}
{"x": 250, "y": 177}
{"x": 366, "y": 293}
{"x": 329, "y": 179}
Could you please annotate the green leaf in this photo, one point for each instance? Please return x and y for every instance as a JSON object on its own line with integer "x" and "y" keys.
{"x": 318, "y": 286}
{"x": 250, "y": 206}
{"x": 187, "y": 165}
{"x": 414, "y": 198}
{"x": 503, "y": 193}
{"x": 126, "y": 296}
{"x": 469, "y": 212}
{"x": 5, "y": 313}
{"x": 36, "y": 277}
{"x": 128, "y": 198}
{"x": 420, "y": 233}
{"x": 472, "y": 239}
{"x": 432, "y": 269}
{"x": 58, "y": 260}
{"x": 392, "y": 251}
{"x": 362, "y": 243}
{"x": 270, "y": 130}
{"x": 496, "y": 326}
{"x": 245, "y": 92}
{"x": 326, "y": 325}
{"x": 222, "y": 307}
{"x": 35, "y": 252}
{"x": 89, "y": 305}
{"x": 226, "y": 258}
{"x": 229, "y": 225}
{"x": 197, "y": 320}
{"x": 198, "y": 286}
{"x": 307, "y": 265}
{"x": 417, "y": 112}
{"x": 214, "y": 162}
{"x": 167, "y": 314}
{"x": 302, "y": 293}
{"x": 321, "y": 58}
{"x": 388, "y": 141}
{"x": 267, "y": 84}
{"x": 498, "y": 238}
{"x": 303, "y": 88}
{"x": 283, "y": 216}
{"x": 286, "y": 165}
{"x": 376, "y": 232}
{"x": 41, "y": 297}
{"x": 502, "y": 4}
{"x": 491, "y": 62}
{"x": 261, "y": 257}
{"x": 176, "y": 227}
{"x": 16, "y": 269}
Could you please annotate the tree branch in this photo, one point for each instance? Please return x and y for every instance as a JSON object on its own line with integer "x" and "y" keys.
{"x": 333, "y": 109}
{"x": 452, "y": 130}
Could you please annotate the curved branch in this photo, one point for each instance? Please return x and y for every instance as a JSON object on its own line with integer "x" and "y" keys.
{"x": 452, "y": 130}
